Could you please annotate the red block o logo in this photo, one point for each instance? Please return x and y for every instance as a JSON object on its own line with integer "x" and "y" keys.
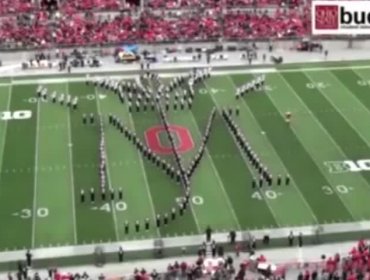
{"x": 185, "y": 142}
{"x": 326, "y": 17}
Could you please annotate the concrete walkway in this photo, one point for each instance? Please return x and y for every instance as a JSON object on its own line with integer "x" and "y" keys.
{"x": 292, "y": 259}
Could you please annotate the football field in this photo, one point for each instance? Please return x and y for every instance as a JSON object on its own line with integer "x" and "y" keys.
{"x": 47, "y": 156}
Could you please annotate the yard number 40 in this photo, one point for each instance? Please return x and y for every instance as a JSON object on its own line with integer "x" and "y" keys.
{"x": 16, "y": 115}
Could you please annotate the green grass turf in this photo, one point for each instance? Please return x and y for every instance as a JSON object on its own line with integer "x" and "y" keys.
{"x": 54, "y": 176}
{"x": 18, "y": 176}
{"x": 47, "y": 160}
{"x": 258, "y": 140}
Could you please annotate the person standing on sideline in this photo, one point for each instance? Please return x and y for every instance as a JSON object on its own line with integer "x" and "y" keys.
{"x": 291, "y": 239}
{"x": 120, "y": 254}
{"x": 208, "y": 233}
{"x": 232, "y": 236}
{"x": 237, "y": 248}
{"x": 29, "y": 258}
{"x": 213, "y": 248}
{"x": 300, "y": 239}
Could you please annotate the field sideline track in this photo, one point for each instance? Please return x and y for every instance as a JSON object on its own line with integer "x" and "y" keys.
{"x": 178, "y": 242}
{"x": 215, "y": 71}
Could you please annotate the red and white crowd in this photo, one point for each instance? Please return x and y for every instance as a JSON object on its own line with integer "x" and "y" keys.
{"x": 32, "y": 23}
{"x": 353, "y": 266}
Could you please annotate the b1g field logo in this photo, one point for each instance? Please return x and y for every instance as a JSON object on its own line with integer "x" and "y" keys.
{"x": 348, "y": 166}
{"x": 340, "y": 17}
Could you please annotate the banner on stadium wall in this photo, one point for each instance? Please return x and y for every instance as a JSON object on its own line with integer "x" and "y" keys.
{"x": 340, "y": 17}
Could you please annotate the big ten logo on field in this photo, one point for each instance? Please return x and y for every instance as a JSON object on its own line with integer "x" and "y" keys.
{"x": 326, "y": 17}
{"x": 154, "y": 137}
{"x": 348, "y": 166}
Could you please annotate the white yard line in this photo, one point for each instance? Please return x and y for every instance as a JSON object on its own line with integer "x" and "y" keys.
{"x": 3, "y": 140}
{"x": 342, "y": 85}
{"x": 357, "y": 100}
{"x": 145, "y": 178}
{"x": 245, "y": 161}
{"x": 340, "y": 111}
{"x": 71, "y": 171}
{"x": 227, "y": 199}
{"x": 195, "y": 217}
{"x": 277, "y": 156}
{"x": 196, "y": 220}
{"x": 325, "y": 132}
{"x": 113, "y": 206}
{"x": 34, "y": 211}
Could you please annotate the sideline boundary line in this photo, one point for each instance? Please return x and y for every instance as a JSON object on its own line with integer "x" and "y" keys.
{"x": 215, "y": 71}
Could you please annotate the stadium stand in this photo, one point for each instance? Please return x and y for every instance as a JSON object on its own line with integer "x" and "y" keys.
{"x": 157, "y": 4}
{"x": 282, "y": 24}
{"x": 181, "y": 28}
{"x": 67, "y": 26}
{"x": 263, "y": 3}
{"x": 16, "y": 6}
{"x": 90, "y": 5}
{"x": 355, "y": 265}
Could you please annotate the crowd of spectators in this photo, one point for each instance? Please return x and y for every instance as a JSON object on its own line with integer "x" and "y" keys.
{"x": 200, "y": 269}
{"x": 180, "y": 4}
{"x": 25, "y": 23}
{"x": 89, "y": 5}
{"x": 79, "y": 29}
{"x": 16, "y": 6}
{"x": 27, "y": 6}
{"x": 281, "y": 24}
{"x": 355, "y": 265}
{"x": 185, "y": 27}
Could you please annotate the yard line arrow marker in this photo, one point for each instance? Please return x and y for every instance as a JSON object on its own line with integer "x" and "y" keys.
{"x": 102, "y": 96}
